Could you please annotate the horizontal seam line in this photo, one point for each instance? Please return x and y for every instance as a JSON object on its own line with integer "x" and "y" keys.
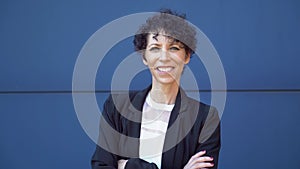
{"x": 124, "y": 91}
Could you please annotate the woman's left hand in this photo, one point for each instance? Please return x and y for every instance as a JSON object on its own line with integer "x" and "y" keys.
{"x": 198, "y": 161}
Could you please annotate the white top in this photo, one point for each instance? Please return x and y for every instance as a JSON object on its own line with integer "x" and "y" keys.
{"x": 155, "y": 118}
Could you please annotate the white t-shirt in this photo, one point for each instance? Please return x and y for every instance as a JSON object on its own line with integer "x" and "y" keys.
{"x": 155, "y": 118}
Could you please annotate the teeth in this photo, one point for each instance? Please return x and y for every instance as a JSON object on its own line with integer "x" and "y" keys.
{"x": 165, "y": 69}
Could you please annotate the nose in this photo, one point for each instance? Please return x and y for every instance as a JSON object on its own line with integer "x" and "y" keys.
{"x": 164, "y": 56}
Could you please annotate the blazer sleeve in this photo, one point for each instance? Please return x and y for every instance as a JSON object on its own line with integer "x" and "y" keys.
{"x": 138, "y": 163}
{"x": 210, "y": 136}
{"x": 103, "y": 158}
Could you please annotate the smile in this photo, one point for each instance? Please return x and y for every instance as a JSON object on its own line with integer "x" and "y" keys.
{"x": 165, "y": 69}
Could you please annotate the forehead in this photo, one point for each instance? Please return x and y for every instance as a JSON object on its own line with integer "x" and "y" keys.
{"x": 160, "y": 38}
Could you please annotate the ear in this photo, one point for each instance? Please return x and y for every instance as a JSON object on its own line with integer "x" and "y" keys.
{"x": 187, "y": 58}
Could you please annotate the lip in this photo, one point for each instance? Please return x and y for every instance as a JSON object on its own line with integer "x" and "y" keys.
{"x": 164, "y": 69}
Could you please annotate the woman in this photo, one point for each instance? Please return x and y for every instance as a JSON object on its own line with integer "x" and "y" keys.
{"x": 183, "y": 132}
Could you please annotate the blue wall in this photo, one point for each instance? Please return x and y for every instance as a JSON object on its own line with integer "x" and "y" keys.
{"x": 257, "y": 40}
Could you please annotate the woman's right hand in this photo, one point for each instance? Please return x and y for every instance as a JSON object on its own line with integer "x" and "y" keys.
{"x": 198, "y": 161}
{"x": 122, "y": 163}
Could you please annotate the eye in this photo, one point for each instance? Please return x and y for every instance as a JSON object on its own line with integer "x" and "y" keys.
{"x": 154, "y": 49}
{"x": 174, "y": 48}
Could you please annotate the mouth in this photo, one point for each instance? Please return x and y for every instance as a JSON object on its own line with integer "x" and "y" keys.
{"x": 164, "y": 68}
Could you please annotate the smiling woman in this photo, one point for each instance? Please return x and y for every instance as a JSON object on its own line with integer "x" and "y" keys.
{"x": 166, "y": 42}
{"x": 165, "y": 59}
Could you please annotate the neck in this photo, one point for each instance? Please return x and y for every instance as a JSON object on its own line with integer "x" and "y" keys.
{"x": 164, "y": 93}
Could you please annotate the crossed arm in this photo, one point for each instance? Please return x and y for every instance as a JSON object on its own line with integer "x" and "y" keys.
{"x": 206, "y": 152}
{"x": 197, "y": 161}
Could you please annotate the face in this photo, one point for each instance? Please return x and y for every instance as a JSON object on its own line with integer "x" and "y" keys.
{"x": 165, "y": 58}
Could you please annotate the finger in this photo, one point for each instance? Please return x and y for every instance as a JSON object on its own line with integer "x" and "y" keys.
{"x": 200, "y": 153}
{"x": 203, "y": 159}
{"x": 203, "y": 165}
{"x": 194, "y": 157}
{"x": 198, "y": 158}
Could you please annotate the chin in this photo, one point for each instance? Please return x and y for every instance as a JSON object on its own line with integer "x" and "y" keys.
{"x": 166, "y": 81}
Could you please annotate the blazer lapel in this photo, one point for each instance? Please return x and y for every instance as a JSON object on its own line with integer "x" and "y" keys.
{"x": 182, "y": 118}
{"x": 133, "y": 123}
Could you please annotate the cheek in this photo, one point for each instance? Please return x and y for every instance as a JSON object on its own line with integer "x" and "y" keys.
{"x": 179, "y": 59}
{"x": 180, "y": 55}
{"x": 150, "y": 59}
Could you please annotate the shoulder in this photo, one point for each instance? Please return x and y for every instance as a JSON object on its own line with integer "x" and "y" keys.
{"x": 203, "y": 108}
{"x": 206, "y": 112}
{"x": 207, "y": 121}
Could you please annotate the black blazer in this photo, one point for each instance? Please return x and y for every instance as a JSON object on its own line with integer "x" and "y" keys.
{"x": 193, "y": 125}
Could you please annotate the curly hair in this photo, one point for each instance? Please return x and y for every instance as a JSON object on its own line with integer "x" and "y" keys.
{"x": 171, "y": 24}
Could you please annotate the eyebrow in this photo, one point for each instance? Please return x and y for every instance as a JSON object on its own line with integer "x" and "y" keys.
{"x": 154, "y": 44}
{"x": 172, "y": 43}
